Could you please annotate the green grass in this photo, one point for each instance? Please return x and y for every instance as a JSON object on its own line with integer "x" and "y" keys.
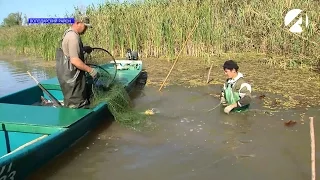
{"x": 159, "y": 28}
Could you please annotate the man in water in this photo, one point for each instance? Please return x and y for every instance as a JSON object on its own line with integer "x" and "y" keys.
{"x": 70, "y": 66}
{"x": 236, "y": 92}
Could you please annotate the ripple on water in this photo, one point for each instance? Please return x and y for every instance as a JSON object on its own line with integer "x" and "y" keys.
{"x": 14, "y": 76}
{"x": 191, "y": 143}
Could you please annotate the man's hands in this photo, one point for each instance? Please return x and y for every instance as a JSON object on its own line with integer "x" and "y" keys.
{"x": 230, "y": 107}
{"x": 87, "y": 49}
{"x": 94, "y": 73}
{"x": 223, "y": 100}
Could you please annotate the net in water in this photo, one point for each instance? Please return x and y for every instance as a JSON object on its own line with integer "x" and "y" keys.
{"x": 106, "y": 89}
{"x": 118, "y": 101}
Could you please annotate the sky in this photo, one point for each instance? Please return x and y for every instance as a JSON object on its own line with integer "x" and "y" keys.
{"x": 42, "y": 8}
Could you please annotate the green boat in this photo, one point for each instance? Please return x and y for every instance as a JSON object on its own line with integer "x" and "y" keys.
{"x": 31, "y": 135}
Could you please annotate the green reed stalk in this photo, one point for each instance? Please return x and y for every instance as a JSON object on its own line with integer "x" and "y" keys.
{"x": 157, "y": 28}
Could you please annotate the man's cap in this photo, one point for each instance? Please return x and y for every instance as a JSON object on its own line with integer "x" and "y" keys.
{"x": 83, "y": 19}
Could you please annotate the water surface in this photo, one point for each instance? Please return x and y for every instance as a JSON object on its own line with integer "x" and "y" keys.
{"x": 189, "y": 142}
{"x": 14, "y": 75}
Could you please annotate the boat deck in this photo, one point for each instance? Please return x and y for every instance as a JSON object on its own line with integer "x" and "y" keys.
{"x": 124, "y": 77}
{"x": 38, "y": 119}
{"x": 40, "y": 115}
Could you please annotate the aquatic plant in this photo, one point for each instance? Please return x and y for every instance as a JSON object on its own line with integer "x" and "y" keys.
{"x": 108, "y": 89}
{"x": 120, "y": 106}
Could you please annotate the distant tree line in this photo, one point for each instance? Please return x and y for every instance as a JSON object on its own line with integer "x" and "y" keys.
{"x": 14, "y": 19}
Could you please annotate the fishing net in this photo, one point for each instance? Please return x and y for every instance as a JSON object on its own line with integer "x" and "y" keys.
{"x": 107, "y": 89}
{"x": 99, "y": 59}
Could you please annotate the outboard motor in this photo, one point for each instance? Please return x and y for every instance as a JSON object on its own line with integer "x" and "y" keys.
{"x": 142, "y": 80}
{"x": 132, "y": 55}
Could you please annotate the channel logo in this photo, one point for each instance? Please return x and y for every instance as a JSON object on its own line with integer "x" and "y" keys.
{"x": 295, "y": 19}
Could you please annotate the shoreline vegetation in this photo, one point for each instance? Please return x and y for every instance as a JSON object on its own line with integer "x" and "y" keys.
{"x": 272, "y": 59}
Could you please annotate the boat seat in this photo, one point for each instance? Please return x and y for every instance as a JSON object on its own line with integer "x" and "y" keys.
{"x": 51, "y": 84}
{"x": 43, "y": 116}
{"x": 33, "y": 129}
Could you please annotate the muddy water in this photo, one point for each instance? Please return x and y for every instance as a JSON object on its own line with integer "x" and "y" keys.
{"x": 190, "y": 142}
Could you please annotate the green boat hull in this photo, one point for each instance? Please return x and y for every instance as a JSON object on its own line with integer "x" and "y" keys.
{"x": 31, "y": 135}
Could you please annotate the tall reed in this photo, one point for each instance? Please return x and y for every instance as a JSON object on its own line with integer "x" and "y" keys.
{"x": 158, "y": 28}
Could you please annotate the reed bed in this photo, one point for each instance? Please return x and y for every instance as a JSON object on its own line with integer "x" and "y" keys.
{"x": 158, "y": 28}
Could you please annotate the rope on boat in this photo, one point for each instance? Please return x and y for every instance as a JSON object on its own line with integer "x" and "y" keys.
{"x": 6, "y": 135}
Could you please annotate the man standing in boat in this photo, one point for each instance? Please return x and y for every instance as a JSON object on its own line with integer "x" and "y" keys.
{"x": 236, "y": 92}
{"x": 70, "y": 66}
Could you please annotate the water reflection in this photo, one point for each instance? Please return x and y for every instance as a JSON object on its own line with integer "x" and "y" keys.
{"x": 14, "y": 75}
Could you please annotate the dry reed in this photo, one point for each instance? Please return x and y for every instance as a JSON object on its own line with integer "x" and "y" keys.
{"x": 158, "y": 28}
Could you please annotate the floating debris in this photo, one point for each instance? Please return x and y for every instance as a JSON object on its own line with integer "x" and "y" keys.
{"x": 155, "y": 110}
{"x": 290, "y": 123}
{"x": 245, "y": 141}
{"x": 185, "y": 120}
{"x": 245, "y": 155}
{"x": 262, "y": 96}
{"x": 151, "y": 111}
